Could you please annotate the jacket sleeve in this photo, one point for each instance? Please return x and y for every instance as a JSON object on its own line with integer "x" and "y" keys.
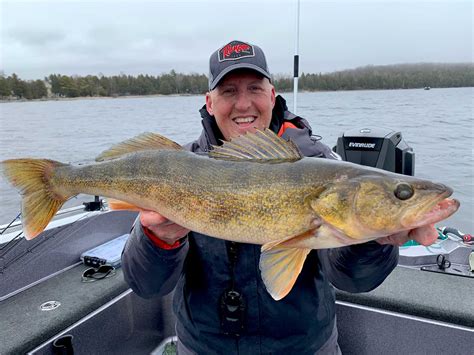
{"x": 358, "y": 268}
{"x": 149, "y": 270}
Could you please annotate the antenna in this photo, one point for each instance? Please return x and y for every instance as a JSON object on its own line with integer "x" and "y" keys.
{"x": 296, "y": 59}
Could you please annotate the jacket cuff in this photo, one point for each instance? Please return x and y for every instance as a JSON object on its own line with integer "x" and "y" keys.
{"x": 139, "y": 235}
{"x": 158, "y": 242}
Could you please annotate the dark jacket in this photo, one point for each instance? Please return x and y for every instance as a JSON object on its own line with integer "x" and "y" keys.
{"x": 200, "y": 271}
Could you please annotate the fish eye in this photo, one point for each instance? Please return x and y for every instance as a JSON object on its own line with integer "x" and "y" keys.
{"x": 403, "y": 191}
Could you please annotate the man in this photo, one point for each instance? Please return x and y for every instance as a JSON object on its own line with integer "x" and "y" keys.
{"x": 220, "y": 301}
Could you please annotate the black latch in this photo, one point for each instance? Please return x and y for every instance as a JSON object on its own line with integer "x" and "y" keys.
{"x": 93, "y": 261}
{"x": 95, "y": 205}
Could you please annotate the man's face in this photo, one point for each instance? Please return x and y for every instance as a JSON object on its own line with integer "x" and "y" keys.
{"x": 242, "y": 102}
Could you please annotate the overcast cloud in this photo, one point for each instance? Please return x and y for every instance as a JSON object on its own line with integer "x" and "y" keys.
{"x": 152, "y": 37}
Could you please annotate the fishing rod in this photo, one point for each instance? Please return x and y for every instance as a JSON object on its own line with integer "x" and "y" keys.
{"x": 296, "y": 58}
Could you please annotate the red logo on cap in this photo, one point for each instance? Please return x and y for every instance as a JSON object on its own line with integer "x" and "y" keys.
{"x": 235, "y": 50}
{"x": 229, "y": 49}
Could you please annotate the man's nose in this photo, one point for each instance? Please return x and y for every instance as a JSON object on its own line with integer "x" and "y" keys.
{"x": 243, "y": 102}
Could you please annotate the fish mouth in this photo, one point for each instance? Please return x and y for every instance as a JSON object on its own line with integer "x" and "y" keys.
{"x": 442, "y": 210}
{"x": 435, "y": 210}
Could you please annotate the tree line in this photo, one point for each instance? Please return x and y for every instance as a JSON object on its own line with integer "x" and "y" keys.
{"x": 403, "y": 76}
{"x": 57, "y": 85}
{"x": 14, "y": 87}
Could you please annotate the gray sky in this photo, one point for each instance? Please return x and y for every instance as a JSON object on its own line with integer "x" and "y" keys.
{"x": 152, "y": 37}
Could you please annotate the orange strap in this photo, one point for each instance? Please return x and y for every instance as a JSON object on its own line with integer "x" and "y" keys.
{"x": 284, "y": 126}
{"x": 158, "y": 242}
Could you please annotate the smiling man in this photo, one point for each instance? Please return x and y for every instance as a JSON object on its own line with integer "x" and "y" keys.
{"x": 241, "y": 97}
{"x": 242, "y": 102}
{"x": 221, "y": 304}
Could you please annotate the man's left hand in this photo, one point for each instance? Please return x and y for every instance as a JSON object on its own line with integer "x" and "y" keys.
{"x": 425, "y": 235}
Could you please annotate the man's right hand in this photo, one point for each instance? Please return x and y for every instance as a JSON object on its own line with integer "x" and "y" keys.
{"x": 161, "y": 227}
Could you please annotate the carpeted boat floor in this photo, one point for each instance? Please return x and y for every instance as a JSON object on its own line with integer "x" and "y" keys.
{"x": 23, "y": 262}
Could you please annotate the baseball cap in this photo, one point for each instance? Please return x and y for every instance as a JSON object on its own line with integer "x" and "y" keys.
{"x": 236, "y": 55}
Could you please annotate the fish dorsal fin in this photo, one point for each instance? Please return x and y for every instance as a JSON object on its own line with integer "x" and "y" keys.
{"x": 144, "y": 141}
{"x": 260, "y": 147}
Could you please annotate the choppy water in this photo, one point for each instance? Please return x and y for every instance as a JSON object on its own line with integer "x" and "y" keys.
{"x": 438, "y": 124}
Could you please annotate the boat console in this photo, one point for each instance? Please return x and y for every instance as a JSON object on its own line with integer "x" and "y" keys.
{"x": 377, "y": 147}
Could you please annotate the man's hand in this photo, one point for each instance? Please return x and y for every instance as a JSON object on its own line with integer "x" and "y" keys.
{"x": 162, "y": 227}
{"x": 425, "y": 235}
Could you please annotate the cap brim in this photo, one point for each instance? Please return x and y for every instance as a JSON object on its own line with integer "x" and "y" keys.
{"x": 238, "y": 66}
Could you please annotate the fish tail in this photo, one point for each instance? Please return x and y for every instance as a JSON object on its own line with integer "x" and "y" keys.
{"x": 40, "y": 198}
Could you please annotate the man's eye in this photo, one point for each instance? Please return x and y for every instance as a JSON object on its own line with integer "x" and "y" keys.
{"x": 228, "y": 91}
{"x": 256, "y": 89}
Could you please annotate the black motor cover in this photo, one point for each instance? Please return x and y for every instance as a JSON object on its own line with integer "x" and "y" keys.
{"x": 377, "y": 147}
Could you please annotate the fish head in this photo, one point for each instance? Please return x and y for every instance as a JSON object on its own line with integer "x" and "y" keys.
{"x": 374, "y": 206}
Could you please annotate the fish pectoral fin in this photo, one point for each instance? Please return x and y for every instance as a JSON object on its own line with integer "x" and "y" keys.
{"x": 259, "y": 147}
{"x": 292, "y": 242}
{"x": 281, "y": 262}
{"x": 142, "y": 142}
{"x": 280, "y": 268}
{"x": 118, "y": 205}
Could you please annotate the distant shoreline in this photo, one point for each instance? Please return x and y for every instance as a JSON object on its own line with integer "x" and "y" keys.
{"x": 187, "y": 95}
{"x": 391, "y": 77}
{"x": 93, "y": 98}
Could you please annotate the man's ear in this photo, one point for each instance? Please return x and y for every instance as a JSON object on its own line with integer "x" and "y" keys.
{"x": 273, "y": 96}
{"x": 209, "y": 104}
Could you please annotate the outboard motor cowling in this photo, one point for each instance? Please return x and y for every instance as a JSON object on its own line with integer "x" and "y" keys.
{"x": 377, "y": 147}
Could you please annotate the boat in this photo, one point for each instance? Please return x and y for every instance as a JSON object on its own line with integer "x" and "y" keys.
{"x": 48, "y": 306}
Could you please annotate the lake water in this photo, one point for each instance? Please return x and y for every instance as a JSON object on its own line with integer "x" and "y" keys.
{"x": 437, "y": 124}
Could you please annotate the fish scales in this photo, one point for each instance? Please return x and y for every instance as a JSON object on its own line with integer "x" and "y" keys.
{"x": 264, "y": 193}
{"x": 254, "y": 202}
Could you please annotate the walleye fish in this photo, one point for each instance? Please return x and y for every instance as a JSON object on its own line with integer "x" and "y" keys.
{"x": 257, "y": 189}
